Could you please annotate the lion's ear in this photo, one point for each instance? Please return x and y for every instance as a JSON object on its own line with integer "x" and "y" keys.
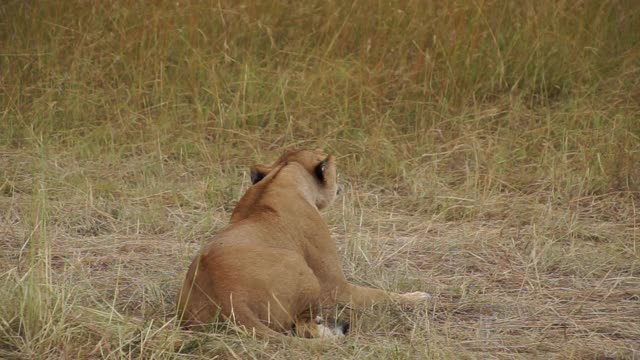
{"x": 258, "y": 172}
{"x": 321, "y": 169}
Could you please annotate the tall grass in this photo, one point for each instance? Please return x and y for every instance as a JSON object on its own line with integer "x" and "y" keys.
{"x": 126, "y": 129}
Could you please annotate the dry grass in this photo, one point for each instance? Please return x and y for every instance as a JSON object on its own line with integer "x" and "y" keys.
{"x": 489, "y": 151}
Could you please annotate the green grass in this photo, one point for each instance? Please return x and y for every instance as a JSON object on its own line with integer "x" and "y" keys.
{"x": 489, "y": 151}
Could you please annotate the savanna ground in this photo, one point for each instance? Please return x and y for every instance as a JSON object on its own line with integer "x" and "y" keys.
{"x": 489, "y": 152}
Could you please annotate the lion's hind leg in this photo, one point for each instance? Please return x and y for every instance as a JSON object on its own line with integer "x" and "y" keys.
{"x": 242, "y": 316}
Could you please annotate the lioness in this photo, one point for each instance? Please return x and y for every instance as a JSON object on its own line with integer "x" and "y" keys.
{"x": 275, "y": 266}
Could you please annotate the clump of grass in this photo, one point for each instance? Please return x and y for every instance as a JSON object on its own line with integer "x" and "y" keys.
{"x": 489, "y": 151}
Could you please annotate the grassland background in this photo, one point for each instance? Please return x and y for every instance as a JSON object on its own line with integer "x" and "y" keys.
{"x": 489, "y": 150}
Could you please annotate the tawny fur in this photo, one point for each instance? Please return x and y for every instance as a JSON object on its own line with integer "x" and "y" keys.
{"x": 275, "y": 265}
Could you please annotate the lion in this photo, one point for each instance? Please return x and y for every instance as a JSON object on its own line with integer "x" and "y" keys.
{"x": 274, "y": 267}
